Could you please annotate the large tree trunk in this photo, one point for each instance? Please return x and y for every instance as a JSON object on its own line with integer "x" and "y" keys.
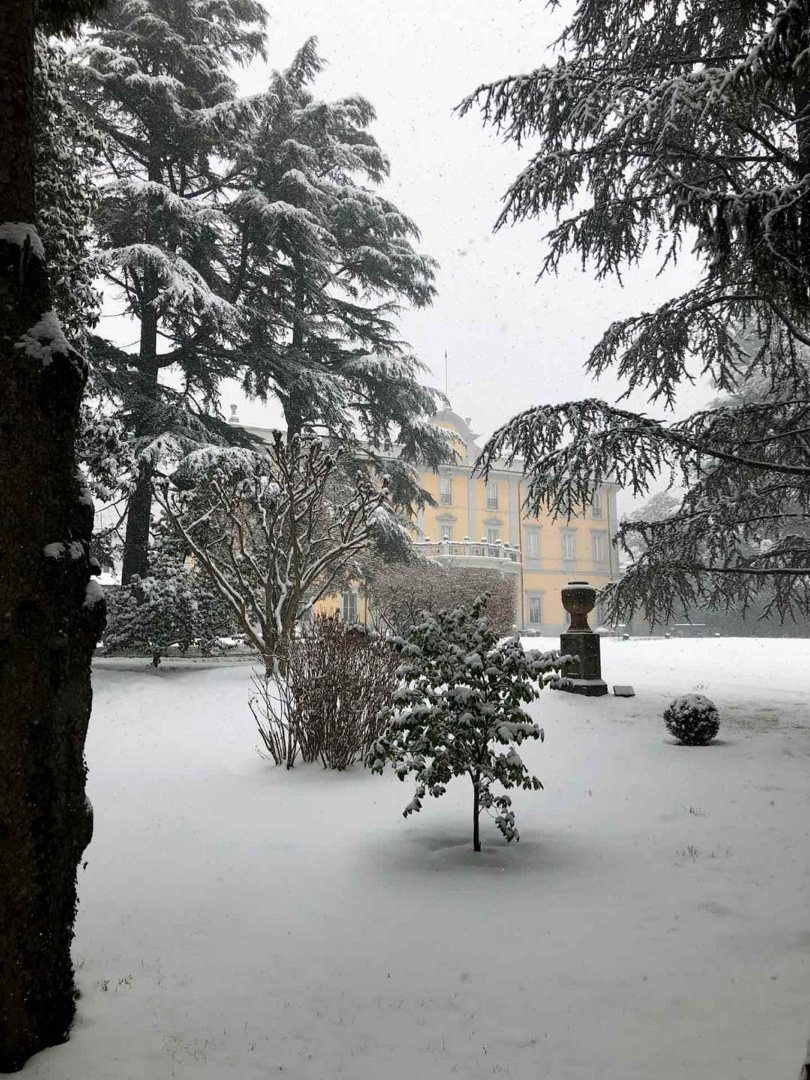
{"x": 139, "y": 510}
{"x": 50, "y": 616}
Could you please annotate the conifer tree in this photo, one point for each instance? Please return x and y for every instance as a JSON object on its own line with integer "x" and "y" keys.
{"x": 662, "y": 124}
{"x": 156, "y": 85}
{"x": 327, "y": 261}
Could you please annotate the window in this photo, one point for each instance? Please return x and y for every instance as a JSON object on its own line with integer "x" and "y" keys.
{"x": 493, "y": 534}
{"x": 599, "y": 546}
{"x": 446, "y": 490}
{"x": 492, "y": 495}
{"x": 596, "y": 505}
{"x": 446, "y": 530}
{"x": 535, "y": 611}
{"x": 533, "y": 543}
{"x": 569, "y": 545}
{"x": 350, "y": 606}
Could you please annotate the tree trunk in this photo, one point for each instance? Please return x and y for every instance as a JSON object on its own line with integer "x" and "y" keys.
{"x": 49, "y": 619}
{"x": 476, "y": 812}
{"x": 139, "y": 520}
{"x": 801, "y": 98}
{"x": 139, "y": 510}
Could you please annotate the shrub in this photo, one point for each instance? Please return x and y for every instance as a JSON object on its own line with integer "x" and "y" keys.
{"x": 174, "y": 608}
{"x": 399, "y": 593}
{"x": 460, "y": 712}
{"x": 338, "y": 679}
{"x": 692, "y": 719}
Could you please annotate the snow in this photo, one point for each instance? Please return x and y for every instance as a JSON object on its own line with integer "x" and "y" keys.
{"x": 44, "y": 339}
{"x": 75, "y": 550}
{"x": 93, "y": 594}
{"x": 18, "y": 232}
{"x": 240, "y": 921}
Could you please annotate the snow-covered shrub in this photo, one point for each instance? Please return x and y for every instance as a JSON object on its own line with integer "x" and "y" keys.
{"x": 692, "y": 719}
{"x": 174, "y": 609}
{"x": 460, "y": 712}
{"x": 338, "y": 679}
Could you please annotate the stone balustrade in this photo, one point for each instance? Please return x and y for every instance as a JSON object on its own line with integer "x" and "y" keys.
{"x": 468, "y": 549}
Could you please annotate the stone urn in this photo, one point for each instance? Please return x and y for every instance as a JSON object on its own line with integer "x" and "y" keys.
{"x": 579, "y": 600}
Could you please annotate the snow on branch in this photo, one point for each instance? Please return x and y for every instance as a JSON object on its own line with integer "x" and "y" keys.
{"x": 273, "y": 530}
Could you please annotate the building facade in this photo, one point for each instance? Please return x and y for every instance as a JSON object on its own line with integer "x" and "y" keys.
{"x": 481, "y": 523}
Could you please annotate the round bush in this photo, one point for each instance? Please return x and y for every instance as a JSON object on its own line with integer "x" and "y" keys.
{"x": 692, "y": 719}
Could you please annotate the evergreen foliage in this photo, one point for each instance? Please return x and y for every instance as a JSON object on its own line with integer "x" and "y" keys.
{"x": 67, "y": 149}
{"x": 155, "y": 82}
{"x": 326, "y": 262}
{"x": 173, "y": 608}
{"x": 460, "y": 711}
{"x": 662, "y": 124}
{"x": 692, "y": 719}
{"x": 243, "y": 236}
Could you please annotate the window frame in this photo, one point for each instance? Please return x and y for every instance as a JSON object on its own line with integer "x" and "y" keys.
{"x": 532, "y": 533}
{"x": 350, "y": 594}
{"x": 534, "y": 598}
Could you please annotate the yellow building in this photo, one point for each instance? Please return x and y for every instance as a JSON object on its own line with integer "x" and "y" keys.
{"x": 481, "y": 523}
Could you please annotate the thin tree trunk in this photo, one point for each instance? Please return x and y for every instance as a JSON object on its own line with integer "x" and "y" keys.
{"x": 476, "y": 812}
{"x": 49, "y": 619}
{"x": 801, "y": 98}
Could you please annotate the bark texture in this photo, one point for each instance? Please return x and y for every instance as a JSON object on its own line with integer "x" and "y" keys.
{"x": 49, "y": 619}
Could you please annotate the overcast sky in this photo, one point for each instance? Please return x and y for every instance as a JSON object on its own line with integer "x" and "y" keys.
{"x": 511, "y": 342}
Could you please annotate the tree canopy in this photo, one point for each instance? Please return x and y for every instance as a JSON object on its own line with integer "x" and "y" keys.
{"x": 663, "y": 125}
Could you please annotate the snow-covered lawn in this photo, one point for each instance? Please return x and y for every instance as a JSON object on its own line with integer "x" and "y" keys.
{"x": 240, "y": 921}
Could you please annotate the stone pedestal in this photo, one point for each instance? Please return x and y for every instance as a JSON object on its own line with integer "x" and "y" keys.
{"x": 584, "y": 674}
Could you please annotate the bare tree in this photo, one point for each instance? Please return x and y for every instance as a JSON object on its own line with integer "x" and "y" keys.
{"x": 273, "y": 530}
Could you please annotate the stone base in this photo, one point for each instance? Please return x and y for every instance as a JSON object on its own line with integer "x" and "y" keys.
{"x": 586, "y": 687}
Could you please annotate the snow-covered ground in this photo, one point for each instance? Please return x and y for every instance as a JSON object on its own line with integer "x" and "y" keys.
{"x": 240, "y": 921}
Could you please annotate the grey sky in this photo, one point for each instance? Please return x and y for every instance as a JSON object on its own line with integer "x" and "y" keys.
{"x": 511, "y": 342}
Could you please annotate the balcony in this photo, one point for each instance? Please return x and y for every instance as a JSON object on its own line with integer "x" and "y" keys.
{"x": 478, "y": 553}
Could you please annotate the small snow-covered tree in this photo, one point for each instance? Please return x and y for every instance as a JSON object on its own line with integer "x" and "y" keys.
{"x": 660, "y": 124}
{"x": 273, "y": 530}
{"x": 460, "y": 712}
{"x": 175, "y": 606}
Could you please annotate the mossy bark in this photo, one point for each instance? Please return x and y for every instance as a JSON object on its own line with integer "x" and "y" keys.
{"x": 49, "y": 622}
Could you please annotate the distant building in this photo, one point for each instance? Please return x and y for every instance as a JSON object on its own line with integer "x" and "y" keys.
{"x": 481, "y": 523}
